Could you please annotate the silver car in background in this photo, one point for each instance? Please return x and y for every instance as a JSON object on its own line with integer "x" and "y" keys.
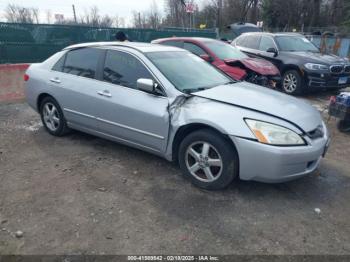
{"x": 171, "y": 103}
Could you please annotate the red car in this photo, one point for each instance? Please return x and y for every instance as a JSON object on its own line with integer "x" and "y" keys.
{"x": 228, "y": 59}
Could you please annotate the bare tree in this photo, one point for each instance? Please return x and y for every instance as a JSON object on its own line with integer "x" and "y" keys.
{"x": 48, "y": 16}
{"x": 139, "y": 20}
{"x": 19, "y": 14}
{"x": 154, "y": 16}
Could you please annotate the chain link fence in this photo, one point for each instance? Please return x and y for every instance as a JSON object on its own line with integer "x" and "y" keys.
{"x": 28, "y": 43}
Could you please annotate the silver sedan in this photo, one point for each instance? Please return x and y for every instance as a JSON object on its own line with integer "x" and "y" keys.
{"x": 171, "y": 103}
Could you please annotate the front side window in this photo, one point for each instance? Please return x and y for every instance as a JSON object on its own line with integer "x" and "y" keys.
{"x": 225, "y": 51}
{"x": 266, "y": 43}
{"x": 295, "y": 44}
{"x": 187, "y": 72}
{"x": 124, "y": 69}
{"x": 82, "y": 62}
{"x": 195, "y": 49}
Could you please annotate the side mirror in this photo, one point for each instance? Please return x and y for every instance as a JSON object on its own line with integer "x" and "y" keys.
{"x": 149, "y": 86}
{"x": 146, "y": 85}
{"x": 272, "y": 50}
{"x": 206, "y": 57}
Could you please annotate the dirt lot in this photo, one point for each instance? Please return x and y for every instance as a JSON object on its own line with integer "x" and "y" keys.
{"x": 84, "y": 195}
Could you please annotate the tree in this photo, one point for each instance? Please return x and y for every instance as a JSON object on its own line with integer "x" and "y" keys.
{"x": 154, "y": 16}
{"x": 19, "y": 14}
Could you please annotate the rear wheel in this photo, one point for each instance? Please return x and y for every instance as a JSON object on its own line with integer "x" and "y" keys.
{"x": 292, "y": 83}
{"x": 208, "y": 160}
{"x": 52, "y": 117}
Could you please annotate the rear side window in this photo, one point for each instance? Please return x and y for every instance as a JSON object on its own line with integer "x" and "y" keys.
{"x": 124, "y": 69}
{"x": 240, "y": 41}
{"x": 252, "y": 41}
{"x": 173, "y": 43}
{"x": 266, "y": 43}
{"x": 82, "y": 62}
{"x": 249, "y": 41}
{"x": 59, "y": 65}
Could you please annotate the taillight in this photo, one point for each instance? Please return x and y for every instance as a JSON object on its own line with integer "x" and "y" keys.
{"x": 26, "y": 77}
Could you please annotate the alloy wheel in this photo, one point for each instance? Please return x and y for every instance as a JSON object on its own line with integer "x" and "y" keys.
{"x": 290, "y": 83}
{"x": 204, "y": 162}
{"x": 51, "y": 117}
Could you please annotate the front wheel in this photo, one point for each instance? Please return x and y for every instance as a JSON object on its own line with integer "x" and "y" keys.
{"x": 208, "y": 160}
{"x": 292, "y": 83}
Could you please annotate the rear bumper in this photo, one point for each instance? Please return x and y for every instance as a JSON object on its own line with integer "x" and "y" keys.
{"x": 272, "y": 164}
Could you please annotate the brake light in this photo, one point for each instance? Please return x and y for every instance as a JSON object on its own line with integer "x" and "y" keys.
{"x": 26, "y": 77}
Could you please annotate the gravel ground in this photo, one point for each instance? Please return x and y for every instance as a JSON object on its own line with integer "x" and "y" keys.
{"x": 84, "y": 195}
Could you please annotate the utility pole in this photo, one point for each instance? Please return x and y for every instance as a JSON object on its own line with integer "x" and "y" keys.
{"x": 75, "y": 15}
{"x": 140, "y": 20}
{"x": 219, "y": 14}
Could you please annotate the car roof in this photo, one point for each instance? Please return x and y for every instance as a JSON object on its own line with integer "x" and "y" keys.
{"x": 274, "y": 34}
{"x": 200, "y": 39}
{"x": 142, "y": 47}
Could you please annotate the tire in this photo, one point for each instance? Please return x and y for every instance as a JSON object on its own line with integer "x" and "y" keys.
{"x": 343, "y": 126}
{"x": 218, "y": 177}
{"x": 292, "y": 83}
{"x": 52, "y": 117}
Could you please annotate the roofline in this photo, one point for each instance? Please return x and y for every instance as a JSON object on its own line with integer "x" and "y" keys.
{"x": 179, "y": 38}
{"x": 100, "y": 44}
{"x": 273, "y": 34}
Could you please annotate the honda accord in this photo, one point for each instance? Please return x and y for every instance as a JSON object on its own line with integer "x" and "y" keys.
{"x": 168, "y": 101}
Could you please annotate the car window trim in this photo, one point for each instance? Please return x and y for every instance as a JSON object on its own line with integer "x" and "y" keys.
{"x": 164, "y": 94}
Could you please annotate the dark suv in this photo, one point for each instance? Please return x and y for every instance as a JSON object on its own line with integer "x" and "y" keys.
{"x": 300, "y": 62}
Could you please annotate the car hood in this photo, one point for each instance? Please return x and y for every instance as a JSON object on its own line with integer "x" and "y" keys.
{"x": 319, "y": 57}
{"x": 259, "y": 66}
{"x": 267, "y": 101}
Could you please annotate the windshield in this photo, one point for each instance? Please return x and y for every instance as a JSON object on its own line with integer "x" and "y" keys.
{"x": 187, "y": 72}
{"x": 225, "y": 51}
{"x": 295, "y": 43}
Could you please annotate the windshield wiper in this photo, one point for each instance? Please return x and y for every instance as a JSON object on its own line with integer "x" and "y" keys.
{"x": 192, "y": 90}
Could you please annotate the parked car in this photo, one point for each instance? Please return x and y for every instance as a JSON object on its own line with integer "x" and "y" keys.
{"x": 240, "y": 28}
{"x": 302, "y": 65}
{"x": 228, "y": 59}
{"x": 169, "y": 102}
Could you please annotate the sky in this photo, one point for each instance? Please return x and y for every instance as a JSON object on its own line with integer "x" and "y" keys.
{"x": 122, "y": 8}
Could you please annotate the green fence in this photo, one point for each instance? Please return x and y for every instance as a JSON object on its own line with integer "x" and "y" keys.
{"x": 27, "y": 43}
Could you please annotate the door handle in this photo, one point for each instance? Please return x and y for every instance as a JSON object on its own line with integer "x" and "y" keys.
{"x": 105, "y": 93}
{"x": 55, "y": 80}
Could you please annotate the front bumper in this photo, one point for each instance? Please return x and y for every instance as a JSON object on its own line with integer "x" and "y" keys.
{"x": 273, "y": 164}
{"x": 326, "y": 80}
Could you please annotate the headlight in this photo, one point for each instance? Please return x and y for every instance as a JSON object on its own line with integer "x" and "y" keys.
{"x": 273, "y": 134}
{"x": 312, "y": 66}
